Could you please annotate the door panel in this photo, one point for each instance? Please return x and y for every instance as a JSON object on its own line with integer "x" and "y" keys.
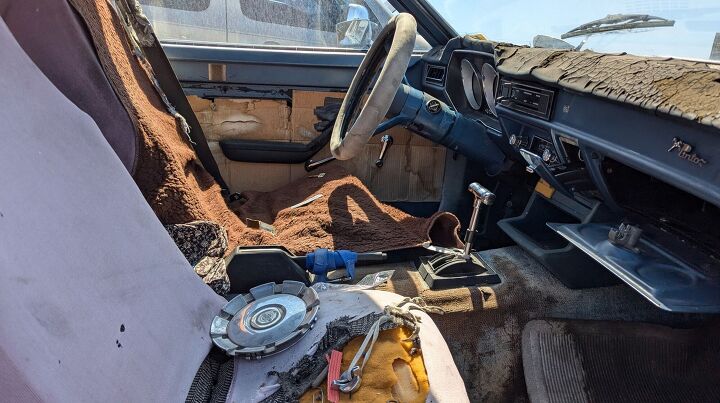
{"x": 413, "y": 169}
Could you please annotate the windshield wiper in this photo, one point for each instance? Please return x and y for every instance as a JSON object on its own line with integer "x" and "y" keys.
{"x": 618, "y": 22}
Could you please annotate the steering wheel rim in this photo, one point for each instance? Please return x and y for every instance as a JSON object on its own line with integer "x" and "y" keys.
{"x": 345, "y": 142}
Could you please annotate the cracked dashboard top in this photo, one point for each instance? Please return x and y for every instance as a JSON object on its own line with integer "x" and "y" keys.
{"x": 682, "y": 88}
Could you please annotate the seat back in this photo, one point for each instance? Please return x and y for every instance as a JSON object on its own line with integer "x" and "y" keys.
{"x": 96, "y": 301}
{"x": 56, "y": 40}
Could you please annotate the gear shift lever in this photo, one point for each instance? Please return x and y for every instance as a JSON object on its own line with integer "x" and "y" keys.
{"x": 482, "y": 196}
{"x": 452, "y": 267}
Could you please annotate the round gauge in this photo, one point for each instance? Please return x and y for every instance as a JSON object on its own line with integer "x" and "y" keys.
{"x": 471, "y": 84}
{"x": 489, "y": 82}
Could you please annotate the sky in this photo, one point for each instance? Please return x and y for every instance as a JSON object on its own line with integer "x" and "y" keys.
{"x": 518, "y": 21}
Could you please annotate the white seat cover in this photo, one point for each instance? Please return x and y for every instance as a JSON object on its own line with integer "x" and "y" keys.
{"x": 96, "y": 301}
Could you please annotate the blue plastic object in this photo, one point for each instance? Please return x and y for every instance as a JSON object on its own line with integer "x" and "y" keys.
{"x": 322, "y": 261}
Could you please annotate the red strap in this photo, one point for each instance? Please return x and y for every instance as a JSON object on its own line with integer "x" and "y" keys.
{"x": 333, "y": 394}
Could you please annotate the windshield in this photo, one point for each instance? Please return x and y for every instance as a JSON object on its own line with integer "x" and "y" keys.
{"x": 681, "y": 28}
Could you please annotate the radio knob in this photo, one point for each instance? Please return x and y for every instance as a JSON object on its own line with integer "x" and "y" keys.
{"x": 547, "y": 156}
{"x": 518, "y": 141}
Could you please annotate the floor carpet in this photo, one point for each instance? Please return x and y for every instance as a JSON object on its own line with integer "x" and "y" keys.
{"x": 600, "y": 361}
{"x": 483, "y": 325}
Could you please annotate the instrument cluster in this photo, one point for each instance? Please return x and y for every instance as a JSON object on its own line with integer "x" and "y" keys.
{"x": 472, "y": 84}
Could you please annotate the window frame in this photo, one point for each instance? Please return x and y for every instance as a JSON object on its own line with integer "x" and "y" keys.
{"x": 293, "y": 67}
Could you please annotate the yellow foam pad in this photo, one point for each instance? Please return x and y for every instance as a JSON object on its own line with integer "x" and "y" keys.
{"x": 544, "y": 188}
{"x": 391, "y": 373}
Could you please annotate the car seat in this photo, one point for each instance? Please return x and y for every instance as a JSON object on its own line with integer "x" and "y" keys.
{"x": 97, "y": 302}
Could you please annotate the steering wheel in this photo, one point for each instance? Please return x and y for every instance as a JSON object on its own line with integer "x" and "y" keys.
{"x": 390, "y": 55}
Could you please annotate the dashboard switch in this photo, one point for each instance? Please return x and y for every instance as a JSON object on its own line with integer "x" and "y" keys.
{"x": 547, "y": 155}
{"x": 518, "y": 141}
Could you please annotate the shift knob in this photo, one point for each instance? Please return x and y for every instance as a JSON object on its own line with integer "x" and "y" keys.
{"x": 482, "y": 194}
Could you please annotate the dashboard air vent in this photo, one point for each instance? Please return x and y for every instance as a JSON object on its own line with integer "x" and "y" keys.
{"x": 435, "y": 75}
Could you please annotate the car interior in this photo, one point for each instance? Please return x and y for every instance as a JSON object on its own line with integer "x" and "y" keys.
{"x": 432, "y": 217}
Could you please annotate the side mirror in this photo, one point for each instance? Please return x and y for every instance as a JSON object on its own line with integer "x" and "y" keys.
{"x": 544, "y": 41}
{"x": 357, "y": 31}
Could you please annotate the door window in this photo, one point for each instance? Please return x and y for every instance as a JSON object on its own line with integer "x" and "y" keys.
{"x": 348, "y": 24}
{"x": 187, "y": 5}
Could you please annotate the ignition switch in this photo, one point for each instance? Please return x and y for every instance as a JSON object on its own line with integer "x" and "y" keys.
{"x": 518, "y": 141}
{"x": 547, "y": 156}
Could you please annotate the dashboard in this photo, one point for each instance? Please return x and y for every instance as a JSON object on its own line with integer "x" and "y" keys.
{"x": 557, "y": 124}
{"x": 610, "y": 166}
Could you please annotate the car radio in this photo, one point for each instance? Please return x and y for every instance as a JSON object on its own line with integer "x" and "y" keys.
{"x": 526, "y": 98}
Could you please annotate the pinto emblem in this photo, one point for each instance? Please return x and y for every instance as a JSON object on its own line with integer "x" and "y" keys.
{"x": 684, "y": 151}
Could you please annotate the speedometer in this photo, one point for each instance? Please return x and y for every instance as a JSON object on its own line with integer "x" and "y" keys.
{"x": 489, "y": 80}
{"x": 471, "y": 84}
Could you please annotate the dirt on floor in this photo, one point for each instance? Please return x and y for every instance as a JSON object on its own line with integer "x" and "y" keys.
{"x": 483, "y": 325}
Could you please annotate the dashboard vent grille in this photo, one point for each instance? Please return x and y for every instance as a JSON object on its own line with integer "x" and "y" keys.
{"x": 435, "y": 75}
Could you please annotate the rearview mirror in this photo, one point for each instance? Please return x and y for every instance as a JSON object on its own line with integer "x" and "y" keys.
{"x": 357, "y": 31}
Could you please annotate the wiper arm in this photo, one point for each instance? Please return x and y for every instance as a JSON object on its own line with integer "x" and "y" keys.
{"x": 618, "y": 22}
